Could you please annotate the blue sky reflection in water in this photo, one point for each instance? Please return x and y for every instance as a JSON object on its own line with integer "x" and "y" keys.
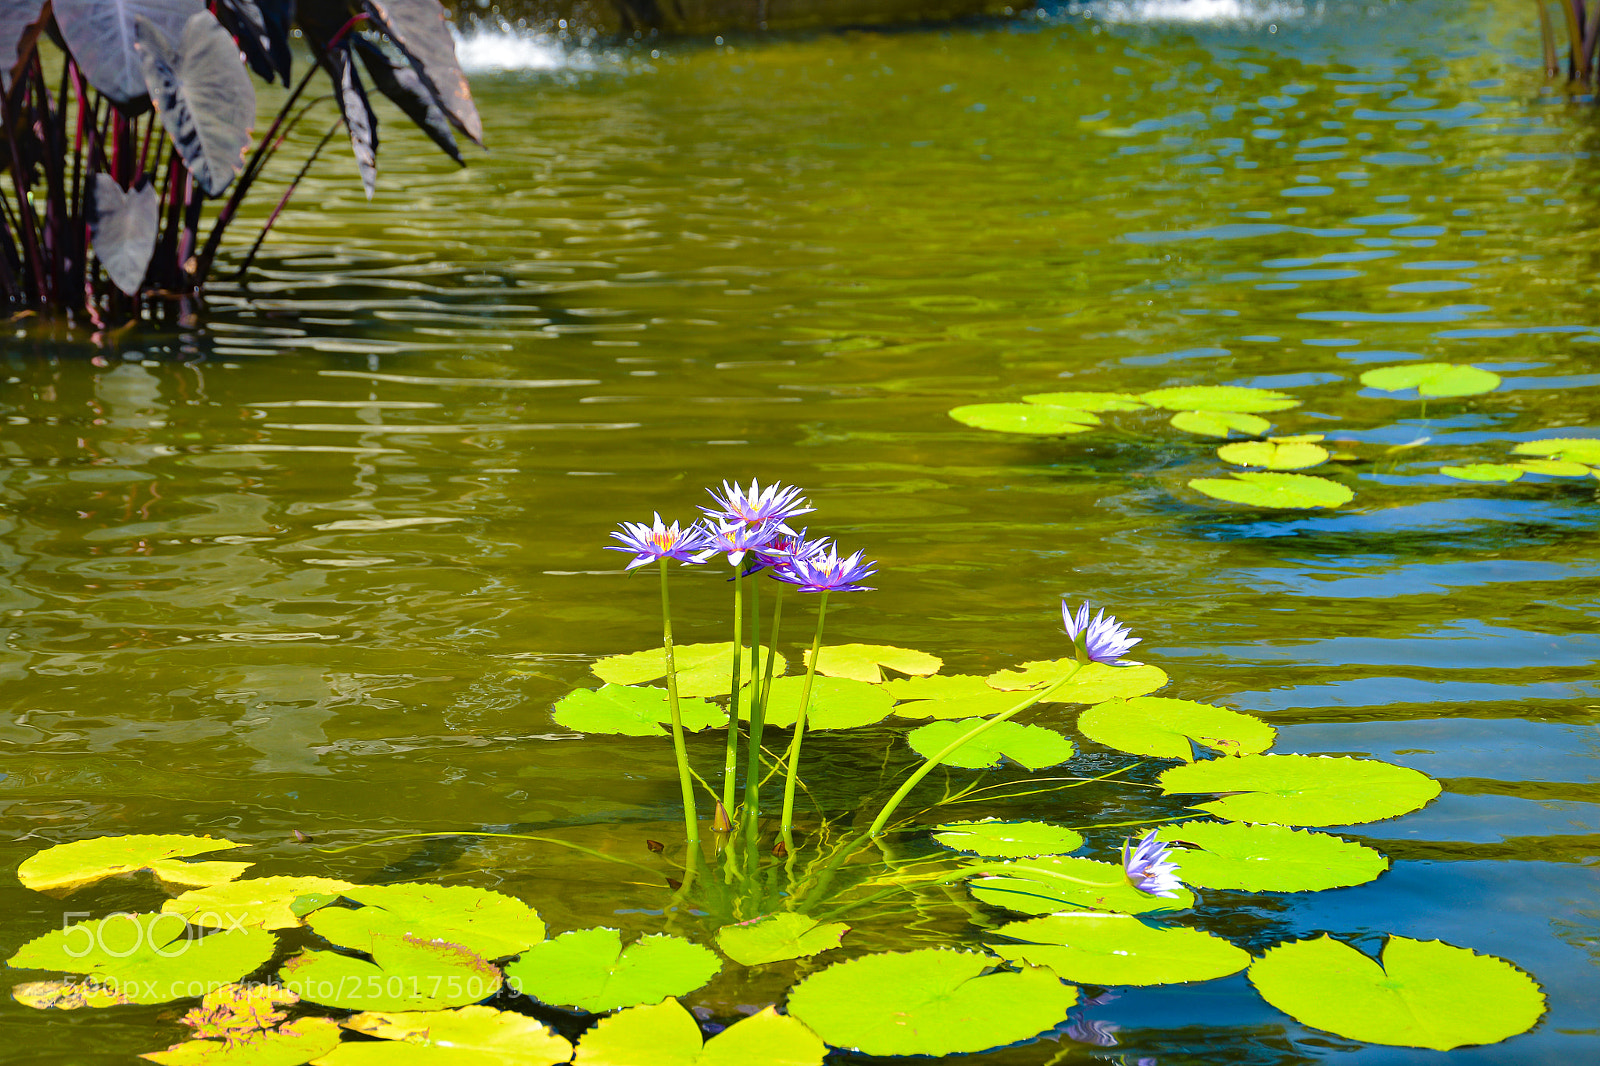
{"x": 323, "y": 563}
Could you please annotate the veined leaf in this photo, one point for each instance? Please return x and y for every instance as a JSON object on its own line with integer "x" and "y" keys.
{"x": 632, "y": 711}
{"x": 123, "y": 227}
{"x": 261, "y": 902}
{"x": 101, "y": 35}
{"x": 469, "y": 1036}
{"x": 778, "y": 938}
{"x": 589, "y": 969}
{"x": 1093, "y": 683}
{"x": 668, "y": 1035}
{"x": 359, "y": 120}
{"x": 419, "y": 28}
{"x": 1119, "y": 949}
{"x": 1025, "y": 418}
{"x": 1432, "y": 379}
{"x": 1059, "y": 883}
{"x": 703, "y": 669}
{"x": 485, "y": 923}
{"x": 67, "y": 867}
{"x": 406, "y": 973}
{"x": 68, "y": 995}
{"x": 1269, "y": 858}
{"x": 301, "y": 1040}
{"x": 863, "y": 662}
{"x": 836, "y": 703}
{"x": 203, "y": 95}
{"x": 1164, "y": 728}
{"x": 1275, "y": 490}
{"x": 999, "y": 839}
{"x": 1032, "y": 746}
{"x": 1302, "y": 789}
{"x": 406, "y": 90}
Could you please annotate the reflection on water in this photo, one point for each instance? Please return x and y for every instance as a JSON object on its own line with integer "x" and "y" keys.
{"x": 324, "y": 563}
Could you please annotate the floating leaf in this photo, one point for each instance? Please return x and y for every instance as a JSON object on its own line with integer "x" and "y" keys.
{"x": 1234, "y": 399}
{"x": 148, "y": 958}
{"x": 1119, "y": 949}
{"x": 1303, "y": 789}
{"x": 231, "y": 1011}
{"x": 1432, "y": 379}
{"x": 1088, "y": 401}
{"x": 1219, "y": 423}
{"x": 67, "y": 867}
{"x": 1572, "y": 449}
{"x": 667, "y": 1035}
{"x": 588, "y": 969}
{"x": 1058, "y": 883}
{"x": 301, "y": 1040}
{"x": 703, "y": 669}
{"x": 778, "y": 937}
{"x": 470, "y": 1036}
{"x": 1274, "y": 455}
{"x": 1556, "y": 467}
{"x": 632, "y": 711}
{"x": 264, "y": 902}
{"x": 1269, "y": 858}
{"x": 1094, "y": 683}
{"x": 1485, "y": 471}
{"x": 1424, "y": 994}
{"x": 67, "y": 995}
{"x": 948, "y": 696}
{"x": 836, "y": 703}
{"x": 934, "y": 1001}
{"x": 1164, "y": 728}
{"x": 485, "y": 923}
{"x": 1275, "y": 490}
{"x": 1025, "y": 418}
{"x": 1008, "y": 840}
{"x": 863, "y": 661}
{"x": 1034, "y": 747}
{"x": 406, "y": 973}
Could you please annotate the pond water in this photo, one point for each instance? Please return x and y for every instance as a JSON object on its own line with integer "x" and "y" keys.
{"x": 321, "y": 563}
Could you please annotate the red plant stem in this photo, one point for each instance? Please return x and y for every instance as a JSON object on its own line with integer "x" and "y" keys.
{"x": 25, "y": 217}
{"x": 283, "y": 201}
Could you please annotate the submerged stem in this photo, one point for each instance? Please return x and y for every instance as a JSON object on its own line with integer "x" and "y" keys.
{"x": 730, "y": 763}
{"x": 759, "y": 687}
{"x": 691, "y": 823}
{"x": 800, "y": 726}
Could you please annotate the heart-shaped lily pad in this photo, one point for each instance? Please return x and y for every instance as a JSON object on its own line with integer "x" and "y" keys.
{"x": 1088, "y": 401}
{"x": 463, "y": 1037}
{"x": 67, "y": 867}
{"x": 1432, "y": 380}
{"x": 865, "y": 662}
{"x": 1303, "y": 789}
{"x": 703, "y": 669}
{"x": 1119, "y": 949}
{"x": 1261, "y": 489}
{"x": 1584, "y": 450}
{"x": 1060, "y": 883}
{"x": 1034, "y": 747}
{"x": 836, "y": 703}
{"x": 405, "y": 973}
{"x": 1231, "y": 398}
{"x": 632, "y": 711}
{"x": 999, "y": 839}
{"x": 1269, "y": 858}
{"x": 668, "y": 1035}
{"x": 1273, "y": 454}
{"x": 1165, "y": 728}
{"x": 1220, "y": 423}
{"x": 948, "y": 696}
{"x": 1028, "y": 418}
{"x": 589, "y": 969}
{"x": 1093, "y": 683}
{"x": 778, "y": 938}
{"x": 486, "y": 923}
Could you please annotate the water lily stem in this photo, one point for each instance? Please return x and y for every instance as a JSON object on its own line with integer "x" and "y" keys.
{"x": 800, "y": 726}
{"x": 691, "y": 823}
{"x": 730, "y": 764}
{"x": 760, "y": 687}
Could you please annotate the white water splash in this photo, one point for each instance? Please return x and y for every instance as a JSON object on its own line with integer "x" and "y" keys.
{"x": 1247, "y": 12}
{"x": 484, "y": 50}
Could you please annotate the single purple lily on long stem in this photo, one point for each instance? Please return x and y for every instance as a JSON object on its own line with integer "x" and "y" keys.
{"x": 757, "y": 506}
{"x": 1100, "y": 640}
{"x": 657, "y": 542}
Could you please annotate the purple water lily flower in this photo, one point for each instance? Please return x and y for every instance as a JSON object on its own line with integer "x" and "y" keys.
{"x": 824, "y": 571}
{"x": 1103, "y": 640}
{"x": 734, "y": 539}
{"x": 781, "y": 552}
{"x": 757, "y": 506}
{"x": 650, "y": 543}
{"x": 1147, "y": 867}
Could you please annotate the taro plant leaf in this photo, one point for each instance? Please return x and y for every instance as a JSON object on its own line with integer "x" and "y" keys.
{"x": 1573, "y": 449}
{"x": 406, "y": 973}
{"x": 836, "y": 703}
{"x": 1422, "y": 993}
{"x": 245, "y": 21}
{"x": 1485, "y": 472}
{"x": 863, "y": 662}
{"x": 1274, "y": 455}
{"x": 149, "y": 958}
{"x": 67, "y": 867}
{"x": 1008, "y": 840}
{"x": 405, "y": 89}
{"x": 1119, "y": 949}
{"x": 1268, "y": 858}
{"x": 485, "y": 923}
{"x": 1027, "y": 418}
{"x": 1302, "y": 789}
{"x": 1032, "y": 746}
{"x": 1220, "y": 423}
{"x": 100, "y": 34}
{"x": 1234, "y": 399}
{"x": 264, "y": 902}
{"x": 1088, "y": 401}
{"x": 301, "y": 1040}
{"x": 359, "y": 121}
{"x": 470, "y": 1036}
{"x": 667, "y": 1035}
{"x": 934, "y": 1001}
{"x": 15, "y": 18}
{"x": 779, "y": 937}
{"x": 123, "y": 227}
{"x": 589, "y": 969}
{"x": 703, "y": 669}
{"x": 68, "y": 995}
{"x": 632, "y": 711}
{"x": 203, "y": 95}
{"x": 419, "y": 28}
{"x": 1059, "y": 883}
{"x": 276, "y": 16}
{"x": 1164, "y": 728}
{"x": 948, "y": 696}
{"x": 1094, "y": 683}
{"x": 1275, "y": 490}
{"x": 1432, "y": 379}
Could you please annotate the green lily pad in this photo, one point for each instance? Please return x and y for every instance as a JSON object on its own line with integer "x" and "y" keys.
{"x": 148, "y": 958}
{"x": 1274, "y": 490}
{"x": 779, "y": 937}
{"x": 1270, "y": 858}
{"x": 1025, "y": 418}
{"x": 262, "y": 902}
{"x": 948, "y": 696}
{"x": 1094, "y": 683}
{"x": 1008, "y": 840}
{"x": 934, "y": 1001}
{"x": 1584, "y": 450}
{"x": 1485, "y": 471}
{"x": 1556, "y": 467}
{"x": 1119, "y": 949}
{"x": 67, "y": 995}
{"x": 1032, "y": 746}
{"x": 1432, "y": 380}
{"x": 1424, "y": 994}
{"x": 863, "y": 662}
{"x": 703, "y": 669}
{"x": 667, "y": 1035}
{"x": 836, "y": 703}
{"x": 485, "y": 923}
{"x": 406, "y": 973}
{"x": 631, "y": 711}
{"x": 1058, "y": 883}
{"x": 67, "y": 867}
{"x": 1234, "y": 399}
{"x": 1274, "y": 455}
{"x": 588, "y": 969}
{"x": 1165, "y": 728}
{"x": 471, "y": 1036}
{"x": 1303, "y": 789}
{"x": 1219, "y": 423}
{"x": 1087, "y": 401}
{"x": 301, "y": 1040}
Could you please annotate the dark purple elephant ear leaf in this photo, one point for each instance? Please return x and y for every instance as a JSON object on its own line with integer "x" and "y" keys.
{"x": 358, "y": 116}
{"x": 405, "y": 88}
{"x": 101, "y": 35}
{"x": 248, "y": 25}
{"x": 421, "y": 30}
{"x": 123, "y": 225}
{"x": 204, "y": 96}
{"x": 15, "y": 18}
